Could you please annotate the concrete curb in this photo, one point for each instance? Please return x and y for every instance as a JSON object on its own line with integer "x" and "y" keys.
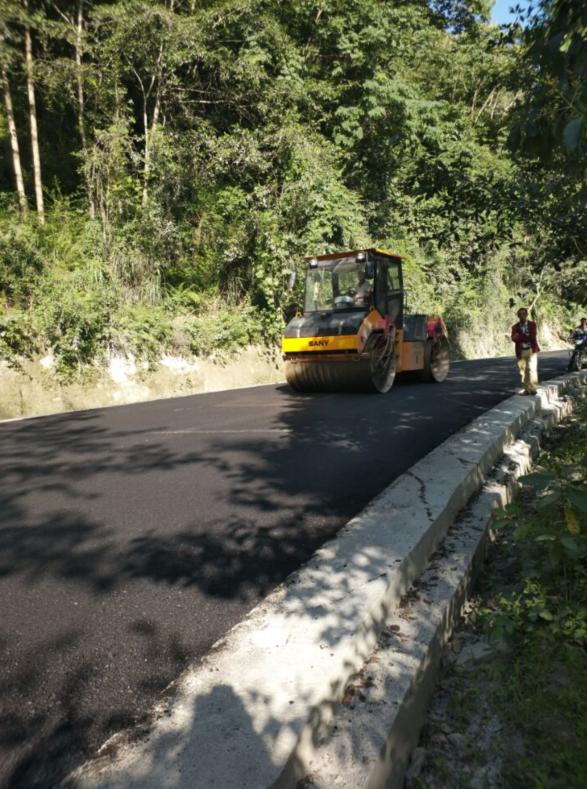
{"x": 254, "y": 712}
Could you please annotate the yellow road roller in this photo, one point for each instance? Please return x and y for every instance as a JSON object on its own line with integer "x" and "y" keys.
{"x": 353, "y": 334}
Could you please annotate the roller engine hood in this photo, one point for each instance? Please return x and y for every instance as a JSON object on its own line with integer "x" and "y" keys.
{"x": 325, "y": 324}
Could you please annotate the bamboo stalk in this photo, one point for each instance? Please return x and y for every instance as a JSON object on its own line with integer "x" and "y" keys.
{"x": 33, "y": 124}
{"x": 22, "y": 201}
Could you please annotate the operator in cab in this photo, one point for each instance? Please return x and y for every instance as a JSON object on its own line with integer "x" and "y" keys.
{"x": 364, "y": 291}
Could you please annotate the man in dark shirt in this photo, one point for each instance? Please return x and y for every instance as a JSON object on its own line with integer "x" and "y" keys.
{"x": 524, "y": 337}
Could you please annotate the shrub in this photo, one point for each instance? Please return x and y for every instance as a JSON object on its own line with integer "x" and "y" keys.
{"x": 550, "y": 524}
{"x": 75, "y": 317}
{"x": 223, "y": 329}
{"x": 145, "y": 330}
{"x": 17, "y": 338}
{"x": 20, "y": 261}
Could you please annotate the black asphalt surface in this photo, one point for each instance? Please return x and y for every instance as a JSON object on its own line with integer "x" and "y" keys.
{"x": 132, "y": 538}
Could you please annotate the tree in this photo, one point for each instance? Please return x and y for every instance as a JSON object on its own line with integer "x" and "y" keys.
{"x": 557, "y": 45}
{"x": 30, "y": 77}
{"x": 70, "y": 28}
{"x": 22, "y": 201}
{"x": 6, "y": 59}
{"x": 142, "y": 44}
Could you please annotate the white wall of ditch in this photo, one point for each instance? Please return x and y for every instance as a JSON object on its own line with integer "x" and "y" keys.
{"x": 35, "y": 388}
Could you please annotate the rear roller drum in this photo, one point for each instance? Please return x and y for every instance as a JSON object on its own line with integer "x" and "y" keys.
{"x": 383, "y": 364}
{"x": 436, "y": 360}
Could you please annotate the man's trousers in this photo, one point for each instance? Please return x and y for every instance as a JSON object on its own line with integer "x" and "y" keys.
{"x": 528, "y": 367}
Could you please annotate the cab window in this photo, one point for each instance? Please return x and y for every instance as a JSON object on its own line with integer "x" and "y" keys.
{"x": 394, "y": 282}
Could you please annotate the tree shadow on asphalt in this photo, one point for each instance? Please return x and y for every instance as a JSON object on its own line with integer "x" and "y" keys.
{"x": 49, "y": 717}
{"x": 59, "y": 456}
{"x": 247, "y": 560}
{"x": 281, "y": 498}
{"x": 231, "y": 736}
{"x": 27, "y": 752}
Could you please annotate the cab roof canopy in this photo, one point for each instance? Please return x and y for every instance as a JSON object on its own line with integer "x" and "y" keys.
{"x": 353, "y": 253}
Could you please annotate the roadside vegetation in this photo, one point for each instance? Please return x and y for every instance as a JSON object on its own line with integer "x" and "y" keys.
{"x": 166, "y": 164}
{"x": 511, "y": 709}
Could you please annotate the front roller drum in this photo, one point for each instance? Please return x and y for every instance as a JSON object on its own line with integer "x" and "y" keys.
{"x": 328, "y": 376}
{"x": 372, "y": 373}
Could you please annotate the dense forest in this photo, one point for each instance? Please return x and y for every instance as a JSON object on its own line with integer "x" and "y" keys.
{"x": 166, "y": 164}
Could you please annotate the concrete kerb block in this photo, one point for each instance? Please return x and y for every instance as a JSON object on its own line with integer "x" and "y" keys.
{"x": 369, "y": 746}
{"x": 372, "y": 736}
{"x": 275, "y": 679}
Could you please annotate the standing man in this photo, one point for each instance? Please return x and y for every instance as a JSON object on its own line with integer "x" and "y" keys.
{"x": 524, "y": 336}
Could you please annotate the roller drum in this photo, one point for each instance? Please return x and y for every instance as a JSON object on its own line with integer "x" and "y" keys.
{"x": 329, "y": 376}
{"x": 436, "y": 361}
{"x": 371, "y": 373}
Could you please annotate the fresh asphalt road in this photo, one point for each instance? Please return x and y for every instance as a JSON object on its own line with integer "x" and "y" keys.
{"x": 132, "y": 538}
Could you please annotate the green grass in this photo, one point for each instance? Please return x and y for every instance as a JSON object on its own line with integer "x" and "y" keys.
{"x": 544, "y": 698}
{"x": 541, "y": 690}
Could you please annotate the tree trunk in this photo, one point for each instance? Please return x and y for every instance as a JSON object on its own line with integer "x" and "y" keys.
{"x": 33, "y": 122}
{"x": 147, "y": 155}
{"x": 81, "y": 97}
{"x": 22, "y": 202}
{"x": 156, "y": 79}
{"x": 80, "y": 82}
{"x": 148, "y": 130}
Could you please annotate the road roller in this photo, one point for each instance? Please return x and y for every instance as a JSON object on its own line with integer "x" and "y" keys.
{"x": 353, "y": 334}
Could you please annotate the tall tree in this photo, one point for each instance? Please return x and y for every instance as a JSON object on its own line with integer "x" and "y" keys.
{"x": 143, "y": 43}
{"x": 37, "y": 177}
{"x": 7, "y": 58}
{"x": 72, "y": 30}
{"x": 16, "y": 164}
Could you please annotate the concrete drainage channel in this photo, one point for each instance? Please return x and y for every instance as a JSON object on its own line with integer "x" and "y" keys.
{"x": 326, "y": 683}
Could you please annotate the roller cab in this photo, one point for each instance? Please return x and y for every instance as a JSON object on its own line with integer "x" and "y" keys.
{"x": 353, "y": 334}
